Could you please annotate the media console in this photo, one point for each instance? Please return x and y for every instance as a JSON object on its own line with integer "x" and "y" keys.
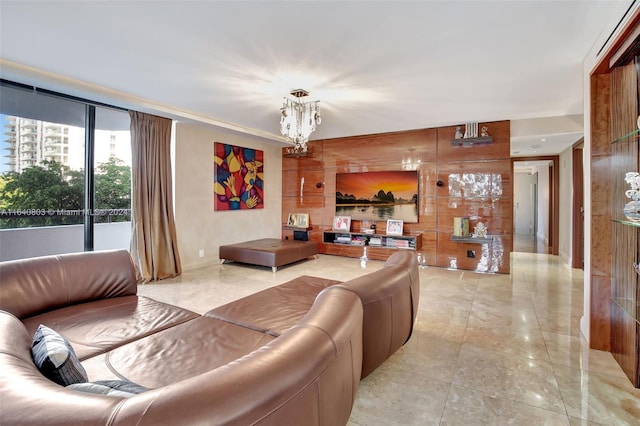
{"x": 379, "y": 246}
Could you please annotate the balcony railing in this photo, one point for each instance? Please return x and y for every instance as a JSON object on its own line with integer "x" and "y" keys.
{"x": 22, "y": 243}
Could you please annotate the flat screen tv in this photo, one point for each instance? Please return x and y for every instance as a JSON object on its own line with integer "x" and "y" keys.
{"x": 378, "y": 195}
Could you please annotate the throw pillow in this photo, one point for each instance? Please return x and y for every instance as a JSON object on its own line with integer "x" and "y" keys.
{"x": 55, "y": 358}
{"x": 121, "y": 388}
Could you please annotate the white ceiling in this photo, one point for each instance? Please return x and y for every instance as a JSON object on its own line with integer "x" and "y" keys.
{"x": 375, "y": 66}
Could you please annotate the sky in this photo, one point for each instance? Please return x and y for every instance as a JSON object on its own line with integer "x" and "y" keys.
{"x": 403, "y": 184}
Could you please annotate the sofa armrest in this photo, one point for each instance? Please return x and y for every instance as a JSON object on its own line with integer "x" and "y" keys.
{"x": 35, "y": 285}
{"x": 390, "y": 301}
{"x": 29, "y": 398}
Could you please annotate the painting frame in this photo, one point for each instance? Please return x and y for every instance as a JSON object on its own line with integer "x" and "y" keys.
{"x": 394, "y": 227}
{"x": 342, "y": 223}
{"x": 292, "y": 220}
{"x": 302, "y": 220}
{"x": 298, "y": 220}
{"x": 378, "y": 195}
{"x": 238, "y": 178}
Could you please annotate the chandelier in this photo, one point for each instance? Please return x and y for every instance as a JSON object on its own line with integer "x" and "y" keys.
{"x": 298, "y": 120}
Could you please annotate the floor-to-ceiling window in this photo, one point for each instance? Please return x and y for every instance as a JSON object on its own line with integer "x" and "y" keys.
{"x": 112, "y": 179}
{"x": 65, "y": 174}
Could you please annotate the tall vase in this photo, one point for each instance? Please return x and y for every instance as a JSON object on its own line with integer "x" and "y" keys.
{"x": 631, "y": 210}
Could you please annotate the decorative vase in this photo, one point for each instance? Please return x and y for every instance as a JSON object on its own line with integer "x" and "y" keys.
{"x": 632, "y": 210}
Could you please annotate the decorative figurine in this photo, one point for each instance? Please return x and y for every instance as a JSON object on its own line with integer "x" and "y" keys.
{"x": 484, "y": 132}
{"x": 480, "y": 231}
{"x": 458, "y": 133}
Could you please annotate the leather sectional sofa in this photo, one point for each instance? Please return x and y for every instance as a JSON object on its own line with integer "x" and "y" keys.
{"x": 290, "y": 354}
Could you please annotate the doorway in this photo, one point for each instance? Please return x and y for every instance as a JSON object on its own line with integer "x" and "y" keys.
{"x": 577, "y": 253}
{"x": 535, "y": 205}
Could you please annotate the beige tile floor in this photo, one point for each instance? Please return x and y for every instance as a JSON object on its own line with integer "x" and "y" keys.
{"x": 486, "y": 349}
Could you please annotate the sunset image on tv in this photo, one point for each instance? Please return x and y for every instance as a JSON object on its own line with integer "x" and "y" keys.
{"x": 378, "y": 195}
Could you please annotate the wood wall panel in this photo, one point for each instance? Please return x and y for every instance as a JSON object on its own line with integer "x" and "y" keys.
{"x": 500, "y": 148}
{"x": 429, "y": 247}
{"x": 624, "y": 342}
{"x": 600, "y": 312}
{"x": 428, "y": 217}
{"x": 292, "y": 182}
{"x": 488, "y": 257}
{"x": 496, "y": 214}
{"x": 428, "y": 179}
{"x": 600, "y": 186}
{"x": 416, "y": 149}
{"x": 301, "y": 204}
{"x": 483, "y": 178}
{"x": 600, "y": 303}
{"x": 361, "y": 153}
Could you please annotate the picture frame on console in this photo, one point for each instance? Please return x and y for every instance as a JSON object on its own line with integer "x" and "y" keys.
{"x": 394, "y": 227}
{"x": 298, "y": 220}
{"x": 302, "y": 221}
{"x": 342, "y": 223}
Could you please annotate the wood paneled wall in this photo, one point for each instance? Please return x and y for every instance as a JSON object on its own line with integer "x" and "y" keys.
{"x": 486, "y": 194}
{"x": 600, "y": 303}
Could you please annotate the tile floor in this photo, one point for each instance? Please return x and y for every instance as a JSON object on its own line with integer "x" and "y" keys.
{"x": 486, "y": 349}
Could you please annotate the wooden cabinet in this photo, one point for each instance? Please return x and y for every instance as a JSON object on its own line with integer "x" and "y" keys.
{"x": 378, "y": 246}
{"x": 625, "y": 240}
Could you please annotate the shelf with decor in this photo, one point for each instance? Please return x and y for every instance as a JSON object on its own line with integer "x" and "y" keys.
{"x": 468, "y": 142}
{"x": 379, "y": 246}
{"x": 477, "y": 240}
{"x": 625, "y": 240}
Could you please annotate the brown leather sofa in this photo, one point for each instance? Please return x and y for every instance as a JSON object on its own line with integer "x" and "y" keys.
{"x": 292, "y": 354}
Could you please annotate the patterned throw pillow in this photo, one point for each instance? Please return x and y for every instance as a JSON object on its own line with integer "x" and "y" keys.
{"x": 120, "y": 388}
{"x": 55, "y": 358}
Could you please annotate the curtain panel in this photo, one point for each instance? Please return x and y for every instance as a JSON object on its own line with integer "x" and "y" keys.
{"x": 154, "y": 245}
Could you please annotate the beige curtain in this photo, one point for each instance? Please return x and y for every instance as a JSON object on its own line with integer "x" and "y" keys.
{"x": 154, "y": 246}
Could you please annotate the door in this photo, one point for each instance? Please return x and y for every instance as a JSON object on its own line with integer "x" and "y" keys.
{"x": 577, "y": 255}
{"x": 523, "y": 202}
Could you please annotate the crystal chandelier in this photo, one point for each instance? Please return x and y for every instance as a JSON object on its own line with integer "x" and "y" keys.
{"x": 299, "y": 119}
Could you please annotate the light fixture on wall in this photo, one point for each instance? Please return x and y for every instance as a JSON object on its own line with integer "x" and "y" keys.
{"x": 298, "y": 120}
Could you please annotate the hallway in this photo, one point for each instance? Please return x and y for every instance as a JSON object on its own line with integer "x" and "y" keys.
{"x": 529, "y": 243}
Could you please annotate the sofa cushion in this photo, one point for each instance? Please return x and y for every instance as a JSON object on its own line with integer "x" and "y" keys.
{"x": 182, "y": 352}
{"x": 275, "y": 309}
{"x": 121, "y": 388}
{"x": 99, "y": 326}
{"x": 55, "y": 357}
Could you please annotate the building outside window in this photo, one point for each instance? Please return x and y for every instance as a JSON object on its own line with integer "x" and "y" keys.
{"x": 42, "y": 176}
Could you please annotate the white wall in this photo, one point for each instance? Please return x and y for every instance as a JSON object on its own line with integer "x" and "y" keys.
{"x": 565, "y": 206}
{"x": 198, "y": 226}
{"x": 543, "y": 204}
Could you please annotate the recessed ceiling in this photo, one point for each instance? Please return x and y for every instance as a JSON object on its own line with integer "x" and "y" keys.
{"x": 375, "y": 66}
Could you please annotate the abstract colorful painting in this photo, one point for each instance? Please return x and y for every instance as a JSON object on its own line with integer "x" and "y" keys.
{"x": 238, "y": 178}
